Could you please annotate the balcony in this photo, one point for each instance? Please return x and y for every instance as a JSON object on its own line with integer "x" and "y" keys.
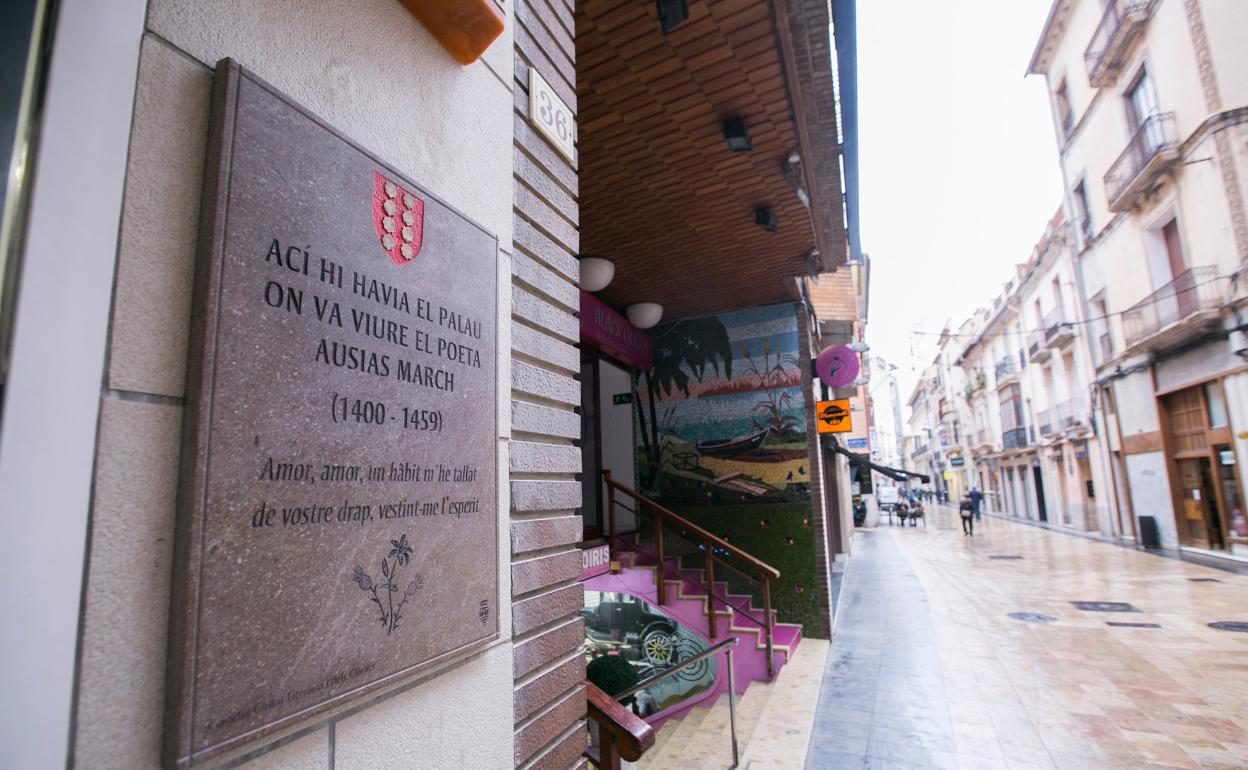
{"x": 918, "y": 452}
{"x": 1007, "y": 371}
{"x": 1149, "y": 154}
{"x": 1105, "y": 349}
{"x": 1037, "y": 349}
{"x": 1173, "y": 312}
{"x": 1015, "y": 438}
{"x": 1048, "y": 420}
{"x": 1119, "y": 28}
{"x": 1068, "y": 414}
{"x": 1058, "y": 332}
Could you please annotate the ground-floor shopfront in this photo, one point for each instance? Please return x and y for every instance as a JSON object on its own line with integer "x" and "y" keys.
{"x": 1185, "y": 453}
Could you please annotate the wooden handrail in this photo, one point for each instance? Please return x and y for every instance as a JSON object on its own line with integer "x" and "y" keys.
{"x": 621, "y": 733}
{"x": 702, "y": 534}
{"x": 709, "y": 543}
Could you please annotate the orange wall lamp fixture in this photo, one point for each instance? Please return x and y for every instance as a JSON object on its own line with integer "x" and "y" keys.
{"x": 464, "y": 27}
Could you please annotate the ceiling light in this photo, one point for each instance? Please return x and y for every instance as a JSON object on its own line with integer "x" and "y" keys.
{"x": 766, "y": 219}
{"x": 737, "y": 137}
{"x": 596, "y": 273}
{"x": 643, "y": 315}
{"x": 671, "y": 13}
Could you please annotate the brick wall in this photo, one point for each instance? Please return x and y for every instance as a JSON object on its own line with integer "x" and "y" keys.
{"x": 549, "y": 706}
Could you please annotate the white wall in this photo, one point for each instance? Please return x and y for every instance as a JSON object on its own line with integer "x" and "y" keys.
{"x": 52, "y": 408}
{"x": 617, "y": 439}
{"x": 372, "y": 71}
{"x": 1150, "y": 493}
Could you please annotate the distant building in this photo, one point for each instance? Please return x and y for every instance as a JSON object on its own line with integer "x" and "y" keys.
{"x": 1150, "y": 108}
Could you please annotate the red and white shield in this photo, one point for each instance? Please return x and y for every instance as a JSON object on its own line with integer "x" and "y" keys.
{"x": 399, "y": 217}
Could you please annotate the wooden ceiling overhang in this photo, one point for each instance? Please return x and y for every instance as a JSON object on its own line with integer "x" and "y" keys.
{"x": 661, "y": 193}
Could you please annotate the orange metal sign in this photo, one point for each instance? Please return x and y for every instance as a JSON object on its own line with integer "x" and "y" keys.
{"x": 833, "y": 416}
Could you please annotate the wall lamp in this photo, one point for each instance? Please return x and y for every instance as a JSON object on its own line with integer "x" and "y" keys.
{"x": 596, "y": 273}
{"x": 643, "y": 315}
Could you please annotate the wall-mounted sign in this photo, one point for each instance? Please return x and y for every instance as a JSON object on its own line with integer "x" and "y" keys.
{"x": 956, "y": 462}
{"x": 620, "y": 399}
{"x": 833, "y": 416}
{"x": 856, "y": 443}
{"x": 611, "y": 333}
{"x": 837, "y": 366}
{"x": 595, "y": 561}
{"x": 551, "y": 116}
{"x": 338, "y": 519}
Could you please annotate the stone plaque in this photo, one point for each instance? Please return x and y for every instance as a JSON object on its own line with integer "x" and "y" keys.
{"x": 338, "y": 521}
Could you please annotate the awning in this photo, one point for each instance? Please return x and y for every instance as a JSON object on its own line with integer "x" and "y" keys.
{"x": 861, "y": 460}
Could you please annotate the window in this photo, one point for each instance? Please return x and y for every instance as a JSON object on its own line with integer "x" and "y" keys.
{"x": 1215, "y": 405}
{"x": 1083, "y": 212}
{"x": 1065, "y": 115}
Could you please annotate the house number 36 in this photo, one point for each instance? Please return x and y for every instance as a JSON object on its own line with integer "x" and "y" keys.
{"x": 551, "y": 116}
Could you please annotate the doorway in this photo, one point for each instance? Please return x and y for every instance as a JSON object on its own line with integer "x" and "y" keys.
{"x": 606, "y": 440}
{"x": 1201, "y": 519}
{"x": 1039, "y": 479}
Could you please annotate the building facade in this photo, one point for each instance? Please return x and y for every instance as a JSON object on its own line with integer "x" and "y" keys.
{"x": 550, "y": 132}
{"x": 1150, "y": 109}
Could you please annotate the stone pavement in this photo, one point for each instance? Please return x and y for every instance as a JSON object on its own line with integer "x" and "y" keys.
{"x": 928, "y": 669}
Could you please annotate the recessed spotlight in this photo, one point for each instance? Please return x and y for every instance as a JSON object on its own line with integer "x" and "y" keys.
{"x": 672, "y": 13}
{"x": 766, "y": 219}
{"x": 737, "y": 137}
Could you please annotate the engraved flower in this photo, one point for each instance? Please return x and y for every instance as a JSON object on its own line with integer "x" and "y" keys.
{"x": 387, "y": 223}
{"x": 408, "y": 218}
{"x": 408, "y": 200}
{"x": 406, "y": 232}
{"x": 406, "y": 250}
{"x": 401, "y": 551}
{"x": 417, "y": 583}
{"x": 391, "y": 189}
{"x": 387, "y": 241}
{"x": 389, "y": 207}
{"x": 362, "y": 578}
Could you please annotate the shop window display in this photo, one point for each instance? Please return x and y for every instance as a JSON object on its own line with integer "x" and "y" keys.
{"x": 651, "y": 642}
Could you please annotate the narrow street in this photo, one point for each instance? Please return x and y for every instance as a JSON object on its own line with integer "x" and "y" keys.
{"x": 931, "y": 668}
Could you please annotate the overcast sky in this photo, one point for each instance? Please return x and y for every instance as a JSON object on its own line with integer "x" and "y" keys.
{"x": 959, "y": 170}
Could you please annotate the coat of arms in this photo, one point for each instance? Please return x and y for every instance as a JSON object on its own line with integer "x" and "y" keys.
{"x": 399, "y": 217}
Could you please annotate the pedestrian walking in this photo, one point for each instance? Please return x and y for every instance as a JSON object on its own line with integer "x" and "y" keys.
{"x": 966, "y": 509}
{"x": 977, "y": 499}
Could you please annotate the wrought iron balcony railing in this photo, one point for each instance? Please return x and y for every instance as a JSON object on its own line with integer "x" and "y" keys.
{"x": 1056, "y": 328}
{"x": 1036, "y": 346}
{"x": 1014, "y": 439}
{"x": 1150, "y": 153}
{"x": 1006, "y": 368}
{"x": 1047, "y": 422}
{"x": 1195, "y": 290}
{"x": 1120, "y": 26}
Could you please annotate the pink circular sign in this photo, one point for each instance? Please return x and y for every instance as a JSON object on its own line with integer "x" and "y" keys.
{"x": 837, "y": 366}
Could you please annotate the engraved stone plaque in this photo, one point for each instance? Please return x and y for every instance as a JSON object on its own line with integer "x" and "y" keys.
{"x": 338, "y": 522}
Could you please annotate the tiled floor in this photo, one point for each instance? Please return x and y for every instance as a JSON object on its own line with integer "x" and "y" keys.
{"x": 928, "y": 670}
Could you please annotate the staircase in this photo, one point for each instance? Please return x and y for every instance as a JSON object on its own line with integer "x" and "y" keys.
{"x": 671, "y": 564}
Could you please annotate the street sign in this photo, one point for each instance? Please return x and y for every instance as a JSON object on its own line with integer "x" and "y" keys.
{"x": 956, "y": 462}
{"x": 833, "y": 416}
{"x": 856, "y": 443}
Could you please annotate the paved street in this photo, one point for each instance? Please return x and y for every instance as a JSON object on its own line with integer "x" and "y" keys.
{"x": 928, "y": 669}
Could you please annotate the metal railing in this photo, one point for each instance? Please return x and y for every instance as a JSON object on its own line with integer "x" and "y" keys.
{"x": 1055, "y": 324}
{"x": 1014, "y": 438}
{"x": 1047, "y": 422}
{"x": 726, "y": 646}
{"x": 1115, "y": 32}
{"x": 1193, "y": 290}
{"x": 1068, "y": 414}
{"x": 688, "y": 533}
{"x": 1153, "y": 142}
{"x": 1035, "y": 343}
{"x": 1006, "y": 367}
{"x": 919, "y": 451}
